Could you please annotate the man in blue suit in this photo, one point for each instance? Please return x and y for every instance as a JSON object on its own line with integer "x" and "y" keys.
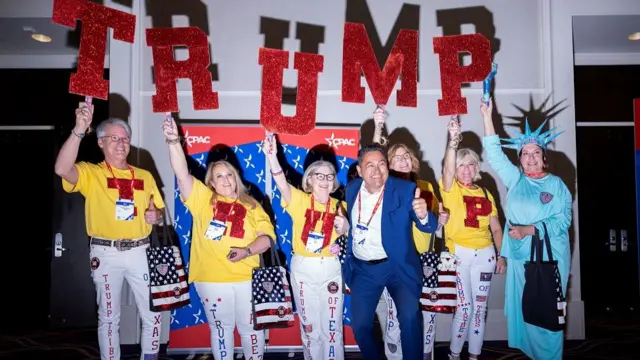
{"x": 381, "y": 252}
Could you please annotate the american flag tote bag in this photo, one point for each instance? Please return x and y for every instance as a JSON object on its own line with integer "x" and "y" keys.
{"x": 272, "y": 306}
{"x": 168, "y": 280}
{"x": 439, "y": 280}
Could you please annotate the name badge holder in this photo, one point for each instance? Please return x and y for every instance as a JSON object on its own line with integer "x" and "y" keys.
{"x": 215, "y": 230}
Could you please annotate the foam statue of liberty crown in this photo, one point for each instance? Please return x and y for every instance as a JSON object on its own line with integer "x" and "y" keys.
{"x": 537, "y": 137}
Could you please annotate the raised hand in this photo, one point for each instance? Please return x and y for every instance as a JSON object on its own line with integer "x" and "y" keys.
{"x": 485, "y": 109}
{"x": 454, "y": 128}
{"x": 151, "y": 215}
{"x": 419, "y": 205}
{"x": 379, "y": 116}
{"x": 340, "y": 222}
{"x": 269, "y": 145}
{"x": 170, "y": 129}
{"x": 84, "y": 116}
{"x": 443, "y": 215}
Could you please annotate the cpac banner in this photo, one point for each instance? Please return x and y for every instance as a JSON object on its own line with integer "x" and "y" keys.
{"x": 242, "y": 147}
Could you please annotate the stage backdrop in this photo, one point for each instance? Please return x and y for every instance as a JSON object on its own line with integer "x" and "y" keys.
{"x": 241, "y": 146}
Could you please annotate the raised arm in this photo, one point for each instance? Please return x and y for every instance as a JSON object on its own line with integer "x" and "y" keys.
{"x": 379, "y": 119}
{"x": 270, "y": 147}
{"x": 449, "y": 168}
{"x": 508, "y": 173}
{"x": 177, "y": 158}
{"x": 68, "y": 154}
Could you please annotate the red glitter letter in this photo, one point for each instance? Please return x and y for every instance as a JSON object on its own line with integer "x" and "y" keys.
{"x": 96, "y": 19}
{"x": 452, "y": 75}
{"x": 476, "y": 206}
{"x": 358, "y": 54}
{"x": 167, "y": 70}
{"x": 273, "y": 64}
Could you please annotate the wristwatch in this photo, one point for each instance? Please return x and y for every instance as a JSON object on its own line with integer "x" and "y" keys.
{"x": 248, "y": 251}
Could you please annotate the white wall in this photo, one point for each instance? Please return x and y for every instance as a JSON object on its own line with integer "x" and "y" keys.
{"x": 535, "y": 61}
{"x": 524, "y": 60}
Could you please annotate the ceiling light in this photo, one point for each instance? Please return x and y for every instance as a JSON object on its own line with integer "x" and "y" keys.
{"x": 634, "y": 36}
{"x": 41, "y": 38}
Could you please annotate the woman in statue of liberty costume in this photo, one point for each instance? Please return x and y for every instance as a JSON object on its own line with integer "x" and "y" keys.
{"x": 534, "y": 198}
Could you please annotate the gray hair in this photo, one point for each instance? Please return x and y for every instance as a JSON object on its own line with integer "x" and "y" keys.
{"x": 464, "y": 152}
{"x": 101, "y": 130}
{"x": 306, "y": 187}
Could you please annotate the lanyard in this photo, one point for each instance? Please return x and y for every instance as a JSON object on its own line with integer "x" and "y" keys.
{"x": 375, "y": 208}
{"x": 313, "y": 210}
{"x": 115, "y": 179}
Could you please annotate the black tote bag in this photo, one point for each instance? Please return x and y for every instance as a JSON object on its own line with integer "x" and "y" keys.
{"x": 168, "y": 287}
{"x": 543, "y": 303}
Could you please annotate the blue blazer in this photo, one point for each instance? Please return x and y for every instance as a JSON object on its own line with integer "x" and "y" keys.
{"x": 397, "y": 237}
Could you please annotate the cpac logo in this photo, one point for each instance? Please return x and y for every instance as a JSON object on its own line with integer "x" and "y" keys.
{"x": 196, "y": 139}
{"x": 336, "y": 142}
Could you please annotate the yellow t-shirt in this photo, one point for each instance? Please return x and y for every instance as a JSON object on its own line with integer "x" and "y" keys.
{"x": 96, "y": 184}
{"x": 299, "y": 209}
{"x": 426, "y": 192}
{"x": 470, "y": 212}
{"x": 208, "y": 261}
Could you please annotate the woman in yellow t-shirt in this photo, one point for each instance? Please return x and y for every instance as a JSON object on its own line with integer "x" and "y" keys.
{"x": 316, "y": 274}
{"x": 404, "y": 163}
{"x": 229, "y": 230}
{"x": 470, "y": 234}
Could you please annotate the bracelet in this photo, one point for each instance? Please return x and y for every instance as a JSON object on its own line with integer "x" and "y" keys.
{"x": 78, "y": 135}
{"x": 276, "y": 173}
{"x": 172, "y": 141}
{"x": 249, "y": 252}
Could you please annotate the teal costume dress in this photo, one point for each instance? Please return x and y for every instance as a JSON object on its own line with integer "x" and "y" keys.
{"x": 531, "y": 202}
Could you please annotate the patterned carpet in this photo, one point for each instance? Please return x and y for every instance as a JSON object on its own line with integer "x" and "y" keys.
{"x": 607, "y": 339}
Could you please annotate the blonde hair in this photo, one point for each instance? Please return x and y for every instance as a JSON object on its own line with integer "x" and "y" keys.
{"x": 464, "y": 152}
{"x": 415, "y": 162}
{"x": 306, "y": 186}
{"x": 241, "y": 191}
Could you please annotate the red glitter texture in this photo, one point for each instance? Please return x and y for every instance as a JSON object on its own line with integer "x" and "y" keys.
{"x": 167, "y": 70}
{"x": 452, "y": 74}
{"x": 358, "y": 54}
{"x": 273, "y": 64}
{"x": 96, "y": 19}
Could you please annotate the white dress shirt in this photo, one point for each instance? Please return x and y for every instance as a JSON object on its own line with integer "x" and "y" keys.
{"x": 372, "y": 248}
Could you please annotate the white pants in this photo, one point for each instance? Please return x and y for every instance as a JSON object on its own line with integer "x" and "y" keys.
{"x": 228, "y": 305}
{"x": 317, "y": 291}
{"x": 386, "y": 312}
{"x": 110, "y": 268}
{"x": 473, "y": 281}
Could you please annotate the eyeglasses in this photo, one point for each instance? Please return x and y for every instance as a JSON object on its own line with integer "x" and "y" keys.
{"x": 321, "y": 176}
{"x": 116, "y": 138}
{"x": 405, "y": 156}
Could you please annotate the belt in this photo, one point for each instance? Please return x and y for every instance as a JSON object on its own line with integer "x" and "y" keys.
{"x": 376, "y": 261}
{"x": 120, "y": 245}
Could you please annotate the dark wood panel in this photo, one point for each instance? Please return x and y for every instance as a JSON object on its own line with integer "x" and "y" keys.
{"x": 605, "y": 93}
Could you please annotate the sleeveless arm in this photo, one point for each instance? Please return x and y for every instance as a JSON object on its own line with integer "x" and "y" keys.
{"x": 508, "y": 173}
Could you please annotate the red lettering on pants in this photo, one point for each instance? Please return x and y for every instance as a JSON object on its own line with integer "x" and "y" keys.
{"x": 476, "y": 206}
{"x": 254, "y": 344}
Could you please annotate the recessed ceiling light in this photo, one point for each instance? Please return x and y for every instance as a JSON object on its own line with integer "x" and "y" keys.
{"x": 634, "y": 36}
{"x": 41, "y": 38}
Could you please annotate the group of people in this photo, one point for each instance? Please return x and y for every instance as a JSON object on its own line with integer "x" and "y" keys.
{"x": 388, "y": 216}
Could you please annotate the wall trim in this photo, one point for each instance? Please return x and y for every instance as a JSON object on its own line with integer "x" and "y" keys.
{"x": 603, "y": 59}
{"x": 42, "y": 61}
